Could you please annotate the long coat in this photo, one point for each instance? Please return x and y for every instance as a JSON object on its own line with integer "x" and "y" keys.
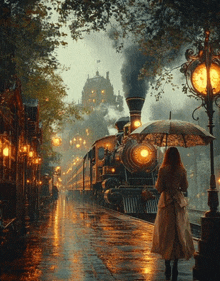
{"x": 172, "y": 236}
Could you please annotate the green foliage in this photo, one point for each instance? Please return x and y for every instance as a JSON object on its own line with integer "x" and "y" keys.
{"x": 28, "y": 40}
{"x": 160, "y": 27}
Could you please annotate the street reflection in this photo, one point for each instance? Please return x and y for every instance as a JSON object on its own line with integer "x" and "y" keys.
{"x": 56, "y": 226}
{"x": 80, "y": 242}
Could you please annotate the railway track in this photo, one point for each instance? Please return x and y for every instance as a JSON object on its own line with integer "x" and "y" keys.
{"x": 195, "y": 227}
{"x": 196, "y": 230}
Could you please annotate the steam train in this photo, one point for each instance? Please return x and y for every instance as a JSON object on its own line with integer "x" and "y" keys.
{"x": 119, "y": 171}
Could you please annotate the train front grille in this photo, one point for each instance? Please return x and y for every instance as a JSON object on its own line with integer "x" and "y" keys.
{"x": 133, "y": 205}
{"x": 151, "y": 206}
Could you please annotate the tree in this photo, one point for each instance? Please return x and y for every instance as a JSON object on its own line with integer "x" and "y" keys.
{"x": 161, "y": 27}
{"x": 28, "y": 41}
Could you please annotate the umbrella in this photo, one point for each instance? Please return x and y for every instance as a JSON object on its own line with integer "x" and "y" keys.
{"x": 172, "y": 133}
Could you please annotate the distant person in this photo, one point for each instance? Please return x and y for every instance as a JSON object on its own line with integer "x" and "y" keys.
{"x": 55, "y": 192}
{"x": 172, "y": 237}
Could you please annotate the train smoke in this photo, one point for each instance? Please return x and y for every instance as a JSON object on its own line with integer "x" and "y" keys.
{"x": 134, "y": 62}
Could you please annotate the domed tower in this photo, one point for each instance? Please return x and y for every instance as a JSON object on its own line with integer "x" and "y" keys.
{"x": 99, "y": 90}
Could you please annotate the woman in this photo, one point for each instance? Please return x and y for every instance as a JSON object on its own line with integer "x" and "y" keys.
{"x": 172, "y": 236}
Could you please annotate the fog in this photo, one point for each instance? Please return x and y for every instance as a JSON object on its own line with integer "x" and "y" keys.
{"x": 96, "y": 52}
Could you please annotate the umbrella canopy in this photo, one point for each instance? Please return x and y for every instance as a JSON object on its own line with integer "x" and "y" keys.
{"x": 173, "y": 133}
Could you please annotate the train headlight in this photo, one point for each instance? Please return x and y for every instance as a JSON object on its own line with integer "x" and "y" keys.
{"x": 141, "y": 154}
{"x": 144, "y": 153}
{"x": 138, "y": 157}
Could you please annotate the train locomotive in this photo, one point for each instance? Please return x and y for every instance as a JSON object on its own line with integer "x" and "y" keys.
{"x": 119, "y": 171}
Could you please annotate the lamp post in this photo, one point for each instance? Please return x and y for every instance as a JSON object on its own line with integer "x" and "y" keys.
{"x": 202, "y": 73}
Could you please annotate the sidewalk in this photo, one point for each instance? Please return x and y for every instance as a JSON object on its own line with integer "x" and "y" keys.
{"x": 85, "y": 243}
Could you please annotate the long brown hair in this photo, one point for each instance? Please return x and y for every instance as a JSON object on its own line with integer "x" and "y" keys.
{"x": 172, "y": 158}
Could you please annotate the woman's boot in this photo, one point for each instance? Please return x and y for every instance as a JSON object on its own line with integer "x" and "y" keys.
{"x": 167, "y": 269}
{"x": 175, "y": 270}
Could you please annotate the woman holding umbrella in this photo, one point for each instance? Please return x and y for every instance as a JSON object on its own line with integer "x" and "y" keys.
{"x": 172, "y": 236}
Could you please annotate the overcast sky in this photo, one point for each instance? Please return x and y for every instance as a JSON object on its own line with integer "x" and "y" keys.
{"x": 85, "y": 57}
{"x": 81, "y": 58}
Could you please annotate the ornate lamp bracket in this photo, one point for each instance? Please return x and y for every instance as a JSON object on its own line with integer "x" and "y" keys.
{"x": 193, "y": 114}
{"x": 216, "y": 102}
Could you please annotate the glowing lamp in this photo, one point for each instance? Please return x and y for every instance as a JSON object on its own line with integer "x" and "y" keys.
{"x": 24, "y": 149}
{"x": 144, "y": 153}
{"x": 31, "y": 154}
{"x": 141, "y": 154}
{"x": 6, "y": 151}
{"x": 199, "y": 78}
{"x": 56, "y": 141}
{"x": 137, "y": 123}
{"x": 57, "y": 168}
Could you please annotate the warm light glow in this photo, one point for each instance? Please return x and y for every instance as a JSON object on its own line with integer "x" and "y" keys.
{"x": 137, "y": 123}
{"x": 57, "y": 168}
{"x": 113, "y": 170}
{"x": 56, "y": 141}
{"x": 24, "y": 148}
{"x": 141, "y": 154}
{"x": 31, "y": 153}
{"x": 144, "y": 152}
{"x": 6, "y": 151}
{"x": 199, "y": 78}
{"x": 77, "y": 145}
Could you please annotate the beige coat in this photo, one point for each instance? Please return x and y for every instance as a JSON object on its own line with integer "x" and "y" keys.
{"x": 172, "y": 236}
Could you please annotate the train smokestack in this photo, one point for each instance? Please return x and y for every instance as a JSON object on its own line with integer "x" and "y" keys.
{"x": 121, "y": 122}
{"x": 135, "y": 105}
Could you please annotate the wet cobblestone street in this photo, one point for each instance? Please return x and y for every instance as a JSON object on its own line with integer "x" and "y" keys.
{"x": 84, "y": 243}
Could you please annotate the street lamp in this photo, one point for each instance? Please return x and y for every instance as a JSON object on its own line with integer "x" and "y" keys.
{"x": 56, "y": 141}
{"x": 202, "y": 73}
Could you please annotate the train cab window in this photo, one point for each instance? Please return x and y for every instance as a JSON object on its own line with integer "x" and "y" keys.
{"x": 126, "y": 129}
{"x": 91, "y": 156}
{"x": 101, "y": 153}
